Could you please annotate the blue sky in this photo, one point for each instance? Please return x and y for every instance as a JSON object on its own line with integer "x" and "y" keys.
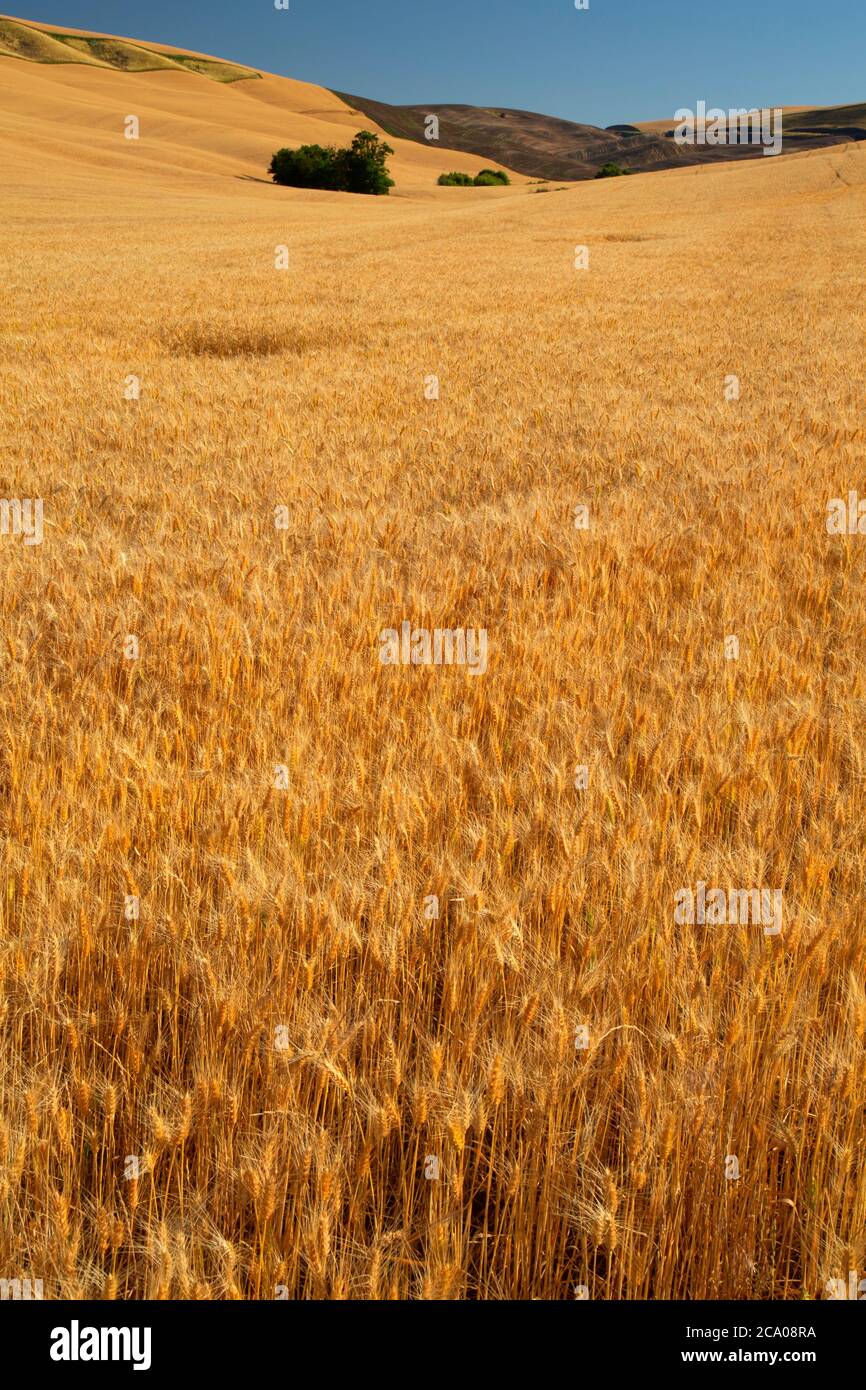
{"x": 620, "y": 60}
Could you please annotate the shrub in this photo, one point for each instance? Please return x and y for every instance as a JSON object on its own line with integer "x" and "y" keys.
{"x": 360, "y": 169}
{"x": 487, "y": 178}
{"x": 611, "y": 171}
{"x": 311, "y": 166}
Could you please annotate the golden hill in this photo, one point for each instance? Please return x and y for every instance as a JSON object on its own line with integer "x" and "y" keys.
{"x": 71, "y": 108}
{"x": 54, "y": 43}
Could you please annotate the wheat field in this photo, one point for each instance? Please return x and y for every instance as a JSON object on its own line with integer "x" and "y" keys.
{"x": 286, "y": 1076}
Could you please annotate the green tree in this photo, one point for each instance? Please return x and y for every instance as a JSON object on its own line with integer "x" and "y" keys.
{"x": 311, "y": 166}
{"x": 360, "y": 169}
{"x": 364, "y": 168}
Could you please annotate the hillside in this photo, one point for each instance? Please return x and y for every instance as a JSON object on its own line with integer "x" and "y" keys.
{"x": 849, "y": 121}
{"x": 64, "y": 96}
{"x": 547, "y": 147}
{"x": 528, "y": 143}
{"x": 44, "y": 43}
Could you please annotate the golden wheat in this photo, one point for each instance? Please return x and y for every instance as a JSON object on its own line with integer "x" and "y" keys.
{"x": 239, "y": 1091}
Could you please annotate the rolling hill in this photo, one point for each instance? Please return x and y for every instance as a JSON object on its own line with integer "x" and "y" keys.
{"x": 278, "y": 109}
{"x": 548, "y": 147}
{"x": 43, "y": 43}
{"x": 64, "y": 96}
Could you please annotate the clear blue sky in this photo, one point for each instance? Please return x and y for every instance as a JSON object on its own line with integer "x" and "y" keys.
{"x": 620, "y": 60}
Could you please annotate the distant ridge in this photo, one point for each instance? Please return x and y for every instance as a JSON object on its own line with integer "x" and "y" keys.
{"x": 548, "y": 147}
